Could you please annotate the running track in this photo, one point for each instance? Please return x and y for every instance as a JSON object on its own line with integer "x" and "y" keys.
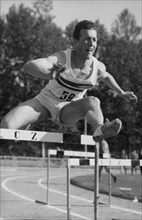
{"x": 21, "y": 187}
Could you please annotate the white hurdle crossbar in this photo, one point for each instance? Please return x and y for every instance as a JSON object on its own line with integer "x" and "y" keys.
{"x": 40, "y": 136}
{"x": 69, "y": 153}
{"x": 104, "y": 162}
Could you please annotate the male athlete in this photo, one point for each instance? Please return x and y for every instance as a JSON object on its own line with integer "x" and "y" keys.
{"x": 70, "y": 74}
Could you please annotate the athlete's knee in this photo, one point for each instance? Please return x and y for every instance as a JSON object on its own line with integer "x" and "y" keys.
{"x": 92, "y": 101}
{"x": 6, "y": 122}
{"x": 3, "y": 123}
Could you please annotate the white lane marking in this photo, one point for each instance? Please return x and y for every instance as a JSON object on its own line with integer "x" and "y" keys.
{"x": 62, "y": 193}
{"x": 12, "y": 192}
{"x": 31, "y": 200}
{"x": 126, "y": 210}
{"x": 86, "y": 200}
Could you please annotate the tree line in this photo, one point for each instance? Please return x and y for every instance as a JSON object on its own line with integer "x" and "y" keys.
{"x": 30, "y": 33}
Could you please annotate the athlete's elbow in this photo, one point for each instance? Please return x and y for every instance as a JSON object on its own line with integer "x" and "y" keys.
{"x": 27, "y": 67}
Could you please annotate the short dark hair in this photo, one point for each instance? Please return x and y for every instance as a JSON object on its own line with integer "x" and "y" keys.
{"x": 85, "y": 24}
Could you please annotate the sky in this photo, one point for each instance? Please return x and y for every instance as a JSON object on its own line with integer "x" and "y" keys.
{"x": 66, "y": 11}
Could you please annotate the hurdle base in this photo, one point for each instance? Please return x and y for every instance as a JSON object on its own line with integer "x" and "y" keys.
{"x": 40, "y": 202}
{"x": 116, "y": 219}
{"x": 101, "y": 204}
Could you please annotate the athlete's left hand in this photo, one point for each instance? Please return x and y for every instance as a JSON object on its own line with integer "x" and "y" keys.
{"x": 130, "y": 96}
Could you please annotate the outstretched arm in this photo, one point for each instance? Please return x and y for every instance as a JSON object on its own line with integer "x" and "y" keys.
{"x": 111, "y": 83}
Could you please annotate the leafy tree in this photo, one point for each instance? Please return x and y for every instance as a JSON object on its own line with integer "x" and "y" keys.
{"x": 125, "y": 26}
{"x": 103, "y": 38}
{"x": 42, "y": 8}
{"x": 122, "y": 55}
{"x": 69, "y": 32}
{"x": 123, "y": 61}
{"x": 26, "y": 34}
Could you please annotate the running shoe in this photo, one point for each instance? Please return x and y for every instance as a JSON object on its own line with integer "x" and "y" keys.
{"x": 109, "y": 129}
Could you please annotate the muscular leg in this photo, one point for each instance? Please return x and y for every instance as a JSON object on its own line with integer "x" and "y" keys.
{"x": 25, "y": 114}
{"x": 88, "y": 107}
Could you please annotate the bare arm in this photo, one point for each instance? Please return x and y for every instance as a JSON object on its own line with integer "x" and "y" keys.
{"x": 45, "y": 68}
{"x": 39, "y": 68}
{"x": 111, "y": 83}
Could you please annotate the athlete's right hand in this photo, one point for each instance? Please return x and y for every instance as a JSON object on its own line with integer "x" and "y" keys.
{"x": 56, "y": 70}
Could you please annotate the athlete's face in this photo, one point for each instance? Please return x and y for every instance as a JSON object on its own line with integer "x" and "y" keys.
{"x": 87, "y": 43}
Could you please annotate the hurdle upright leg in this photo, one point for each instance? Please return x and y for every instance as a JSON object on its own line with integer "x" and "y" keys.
{"x": 48, "y": 175}
{"x": 110, "y": 185}
{"x": 68, "y": 190}
{"x": 96, "y": 181}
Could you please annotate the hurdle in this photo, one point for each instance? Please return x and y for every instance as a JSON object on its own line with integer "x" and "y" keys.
{"x": 115, "y": 163}
{"x": 78, "y": 162}
{"x": 96, "y": 163}
{"x": 66, "y": 153}
{"x": 22, "y": 135}
{"x": 38, "y": 136}
{"x": 69, "y": 153}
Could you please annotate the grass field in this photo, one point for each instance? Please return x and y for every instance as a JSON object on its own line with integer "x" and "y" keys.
{"x": 127, "y": 186}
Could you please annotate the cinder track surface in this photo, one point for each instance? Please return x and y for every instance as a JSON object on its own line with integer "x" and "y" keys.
{"x": 21, "y": 187}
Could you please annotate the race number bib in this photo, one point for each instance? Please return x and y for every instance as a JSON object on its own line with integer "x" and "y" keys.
{"x": 67, "y": 96}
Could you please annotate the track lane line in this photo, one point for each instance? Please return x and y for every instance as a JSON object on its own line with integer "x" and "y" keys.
{"x": 62, "y": 193}
{"x": 86, "y": 200}
{"x": 59, "y": 192}
{"x": 31, "y": 200}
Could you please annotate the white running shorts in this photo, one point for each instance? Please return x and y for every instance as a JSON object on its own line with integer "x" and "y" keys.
{"x": 52, "y": 103}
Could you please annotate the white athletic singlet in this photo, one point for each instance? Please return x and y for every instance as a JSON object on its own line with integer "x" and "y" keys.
{"x": 68, "y": 87}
